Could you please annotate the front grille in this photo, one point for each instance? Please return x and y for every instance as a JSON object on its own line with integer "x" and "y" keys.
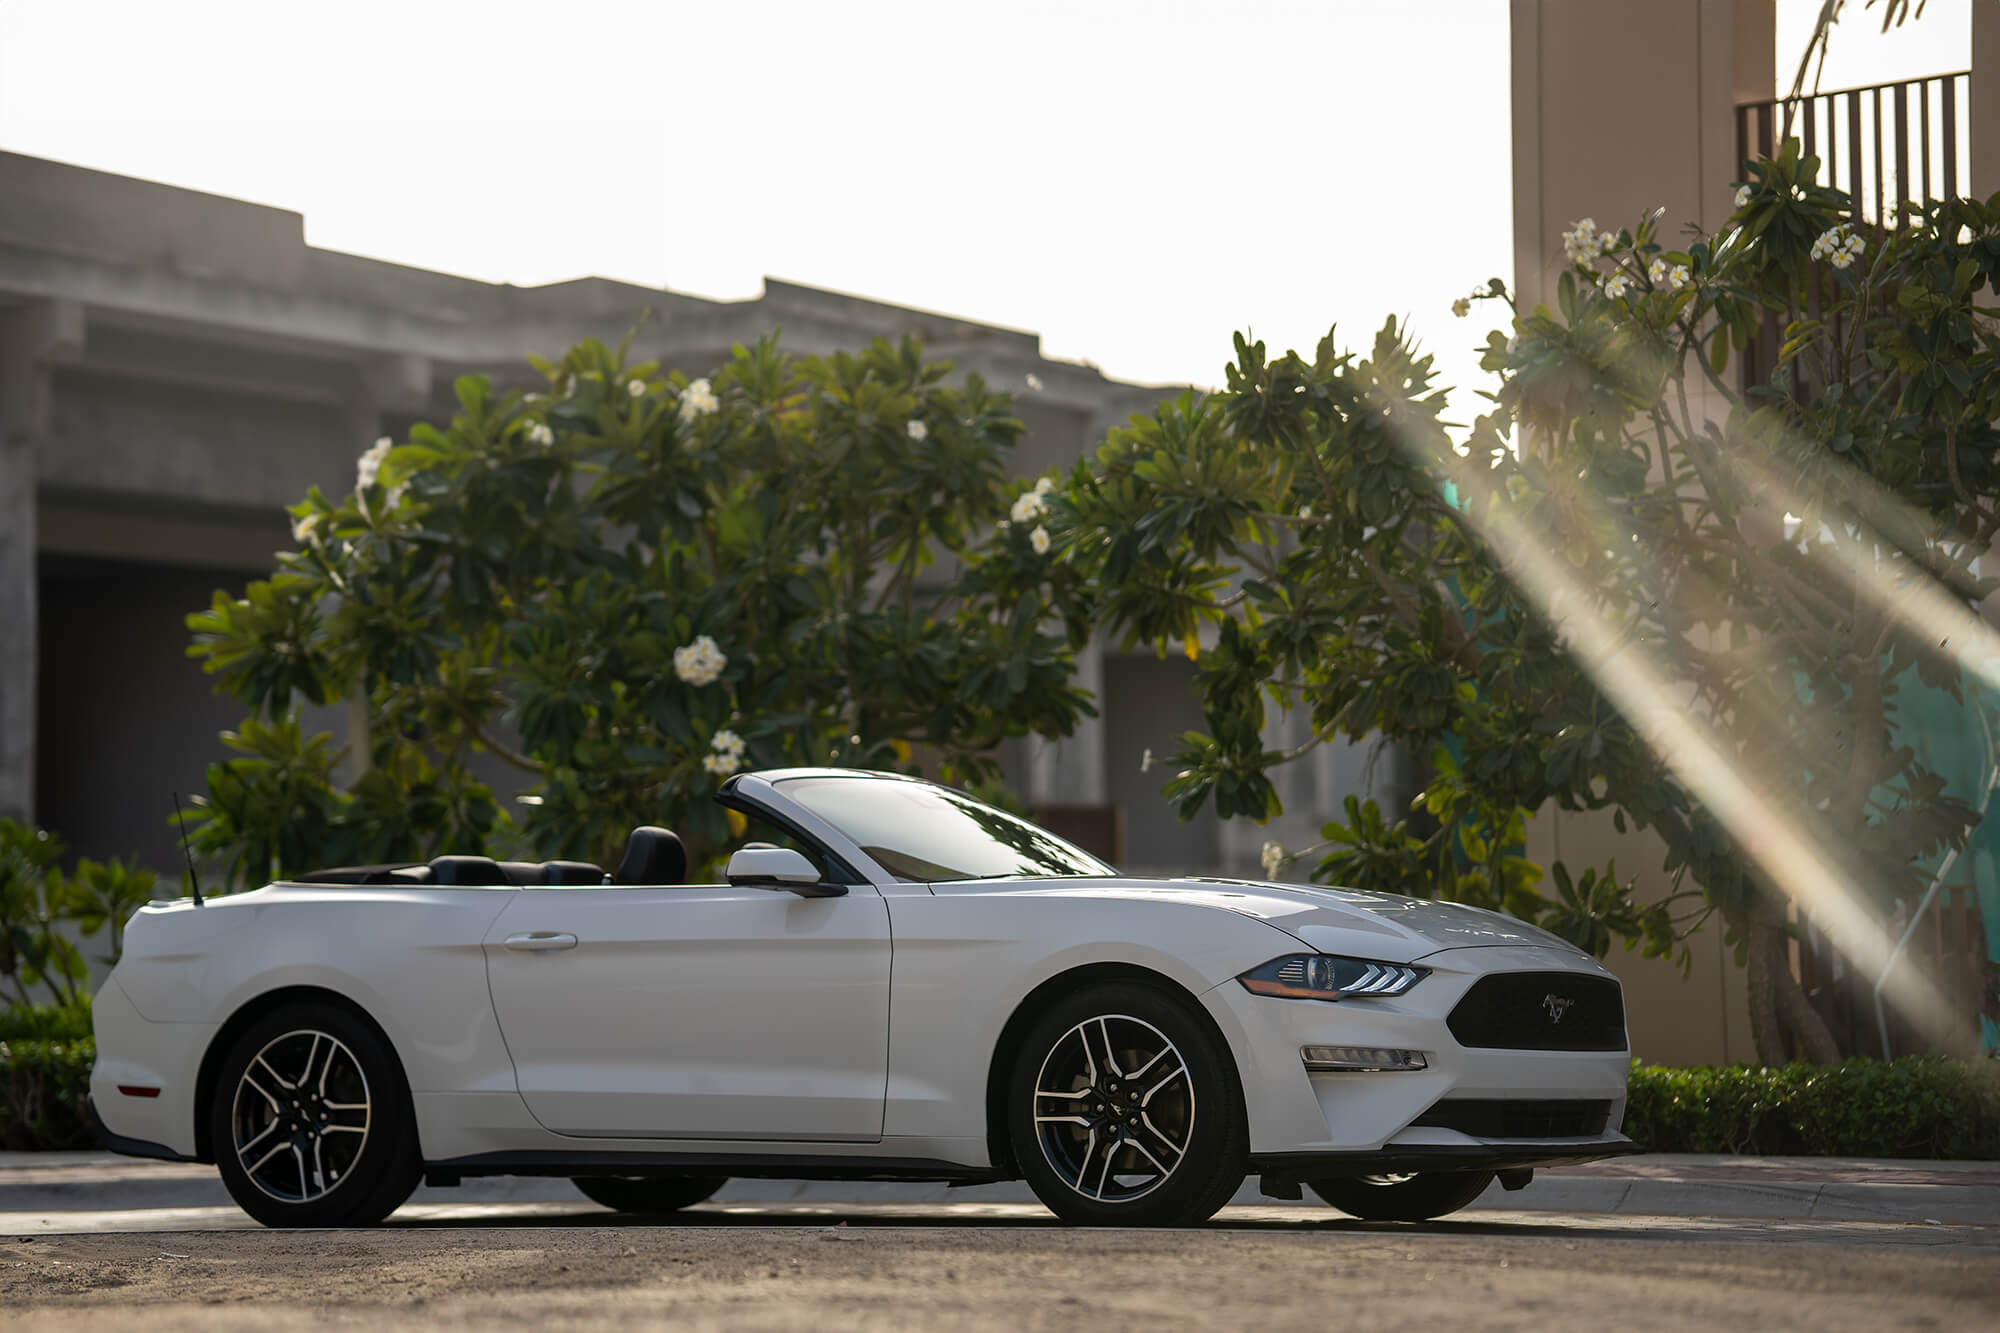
{"x": 1541, "y": 1011}
{"x": 1500, "y": 1119}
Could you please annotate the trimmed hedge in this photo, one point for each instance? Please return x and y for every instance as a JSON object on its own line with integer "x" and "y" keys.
{"x": 1920, "y": 1106}
{"x": 43, "y": 1089}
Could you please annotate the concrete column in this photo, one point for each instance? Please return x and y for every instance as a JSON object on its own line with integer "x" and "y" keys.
{"x": 1985, "y": 110}
{"x": 1599, "y": 134}
{"x": 1071, "y": 771}
{"x": 32, "y": 339}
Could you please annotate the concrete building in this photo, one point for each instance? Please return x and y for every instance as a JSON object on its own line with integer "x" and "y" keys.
{"x": 176, "y": 367}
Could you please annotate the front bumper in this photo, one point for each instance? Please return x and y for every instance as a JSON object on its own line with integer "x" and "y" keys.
{"x": 1355, "y": 1123}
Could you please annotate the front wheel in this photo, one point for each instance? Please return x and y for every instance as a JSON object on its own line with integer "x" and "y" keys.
{"x": 1407, "y": 1198}
{"x": 1122, "y": 1110}
{"x": 311, "y": 1122}
{"x": 648, "y": 1194}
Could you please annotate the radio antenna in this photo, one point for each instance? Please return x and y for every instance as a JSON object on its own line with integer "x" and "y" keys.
{"x": 194, "y": 880}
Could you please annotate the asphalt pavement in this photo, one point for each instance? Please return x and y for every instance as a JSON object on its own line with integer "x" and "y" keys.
{"x": 101, "y": 1192}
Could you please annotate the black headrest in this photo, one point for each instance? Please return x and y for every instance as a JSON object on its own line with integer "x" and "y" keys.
{"x": 466, "y": 870}
{"x": 571, "y": 873}
{"x": 652, "y": 856}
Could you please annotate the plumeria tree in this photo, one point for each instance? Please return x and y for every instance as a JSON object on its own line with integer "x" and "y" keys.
{"x": 626, "y": 587}
{"x": 1639, "y": 583}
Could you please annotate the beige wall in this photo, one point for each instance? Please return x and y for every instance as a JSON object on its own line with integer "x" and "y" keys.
{"x": 1700, "y": 1019}
{"x": 1985, "y": 109}
{"x": 1621, "y": 106}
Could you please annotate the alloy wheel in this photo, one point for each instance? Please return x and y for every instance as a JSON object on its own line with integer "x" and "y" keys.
{"x": 301, "y": 1115}
{"x": 1114, "y": 1108}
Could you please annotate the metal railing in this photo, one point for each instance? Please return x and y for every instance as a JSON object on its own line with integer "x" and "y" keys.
{"x": 1886, "y": 144}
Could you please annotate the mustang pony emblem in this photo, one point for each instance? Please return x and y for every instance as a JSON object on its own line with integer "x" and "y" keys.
{"x": 1557, "y": 1006}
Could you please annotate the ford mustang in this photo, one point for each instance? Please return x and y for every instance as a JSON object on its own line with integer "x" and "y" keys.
{"x": 896, "y": 982}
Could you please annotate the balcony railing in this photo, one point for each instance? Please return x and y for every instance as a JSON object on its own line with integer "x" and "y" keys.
{"x": 1886, "y": 144}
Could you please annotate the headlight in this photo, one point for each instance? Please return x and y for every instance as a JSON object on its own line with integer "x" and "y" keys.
{"x": 1318, "y": 976}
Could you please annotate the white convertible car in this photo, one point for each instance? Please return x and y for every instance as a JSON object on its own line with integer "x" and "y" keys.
{"x": 914, "y": 986}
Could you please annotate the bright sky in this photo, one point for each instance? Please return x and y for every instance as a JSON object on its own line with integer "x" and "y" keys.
{"x": 1133, "y": 179}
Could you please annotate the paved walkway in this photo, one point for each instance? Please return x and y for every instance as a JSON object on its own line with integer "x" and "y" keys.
{"x": 44, "y": 1192}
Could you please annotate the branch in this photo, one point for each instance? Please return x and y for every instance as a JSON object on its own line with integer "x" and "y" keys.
{"x": 518, "y": 760}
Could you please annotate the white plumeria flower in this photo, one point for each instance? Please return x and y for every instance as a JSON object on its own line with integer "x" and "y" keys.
{"x": 1607, "y": 242}
{"x": 1580, "y": 241}
{"x": 1028, "y": 507}
{"x": 918, "y": 431}
{"x": 1671, "y": 276}
{"x": 1273, "y": 858}
{"x": 1839, "y": 245}
{"x": 1617, "y": 285}
{"x": 698, "y": 400}
{"x": 539, "y": 433}
{"x": 1045, "y": 485}
{"x": 1742, "y": 196}
{"x": 700, "y": 662}
{"x": 302, "y": 528}
{"x": 727, "y": 742}
{"x": 636, "y": 387}
{"x": 1679, "y": 278}
{"x": 721, "y": 765}
{"x": 1305, "y": 513}
{"x": 1002, "y": 525}
{"x": 1035, "y": 382}
{"x": 370, "y": 464}
{"x": 1462, "y": 307}
{"x": 1039, "y": 540}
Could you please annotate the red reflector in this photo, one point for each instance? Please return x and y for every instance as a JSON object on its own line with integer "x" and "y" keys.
{"x": 134, "y": 1090}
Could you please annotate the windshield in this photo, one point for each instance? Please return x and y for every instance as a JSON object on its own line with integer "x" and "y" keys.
{"x": 930, "y": 834}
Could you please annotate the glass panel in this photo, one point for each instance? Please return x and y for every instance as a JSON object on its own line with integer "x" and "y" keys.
{"x": 919, "y": 832}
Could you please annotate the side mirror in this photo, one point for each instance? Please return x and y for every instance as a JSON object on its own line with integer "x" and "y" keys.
{"x": 779, "y": 868}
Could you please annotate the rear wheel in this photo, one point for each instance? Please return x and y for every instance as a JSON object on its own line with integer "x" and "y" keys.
{"x": 311, "y": 1121}
{"x": 648, "y": 1194}
{"x": 1122, "y": 1110}
{"x": 1410, "y": 1198}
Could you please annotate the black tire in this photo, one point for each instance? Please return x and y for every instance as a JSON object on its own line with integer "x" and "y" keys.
{"x": 1417, "y": 1198}
{"x": 648, "y": 1194}
{"x": 311, "y": 1122}
{"x": 1119, "y": 1163}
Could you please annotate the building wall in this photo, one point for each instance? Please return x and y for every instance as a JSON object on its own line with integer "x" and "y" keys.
{"x": 1620, "y": 107}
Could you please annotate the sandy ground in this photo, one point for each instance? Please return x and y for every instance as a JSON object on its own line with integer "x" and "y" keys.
{"x": 1480, "y": 1275}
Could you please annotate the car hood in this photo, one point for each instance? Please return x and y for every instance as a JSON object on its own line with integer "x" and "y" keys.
{"x": 1382, "y": 926}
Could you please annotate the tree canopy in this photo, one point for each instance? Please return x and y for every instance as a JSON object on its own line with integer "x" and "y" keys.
{"x": 627, "y": 586}
{"x": 1640, "y": 583}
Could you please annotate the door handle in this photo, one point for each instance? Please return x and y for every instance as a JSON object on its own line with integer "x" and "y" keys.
{"x": 541, "y": 941}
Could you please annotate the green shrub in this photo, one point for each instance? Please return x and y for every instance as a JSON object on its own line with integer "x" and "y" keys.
{"x": 1924, "y": 1107}
{"x": 46, "y": 1022}
{"x": 44, "y": 1086}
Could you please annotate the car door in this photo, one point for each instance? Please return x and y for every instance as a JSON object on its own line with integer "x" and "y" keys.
{"x": 700, "y": 1012}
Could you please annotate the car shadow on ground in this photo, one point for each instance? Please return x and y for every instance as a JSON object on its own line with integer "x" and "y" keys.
{"x": 812, "y": 1218}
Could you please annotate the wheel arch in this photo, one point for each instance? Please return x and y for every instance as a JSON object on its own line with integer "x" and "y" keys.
{"x": 1038, "y": 1002}
{"x": 248, "y": 1013}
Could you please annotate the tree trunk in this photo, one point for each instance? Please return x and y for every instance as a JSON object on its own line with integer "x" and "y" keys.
{"x": 1783, "y": 1024}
